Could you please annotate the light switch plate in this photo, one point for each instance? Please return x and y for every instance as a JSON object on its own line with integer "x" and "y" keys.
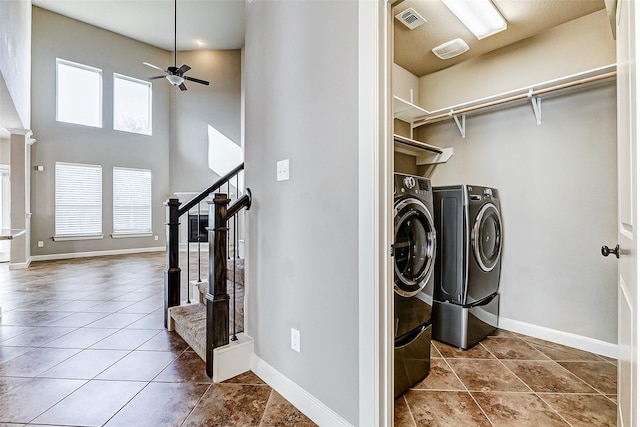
{"x": 282, "y": 170}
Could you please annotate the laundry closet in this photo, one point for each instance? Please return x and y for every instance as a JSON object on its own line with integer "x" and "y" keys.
{"x": 552, "y": 156}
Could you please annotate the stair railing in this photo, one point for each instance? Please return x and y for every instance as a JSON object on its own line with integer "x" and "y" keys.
{"x": 217, "y": 299}
{"x": 172, "y": 275}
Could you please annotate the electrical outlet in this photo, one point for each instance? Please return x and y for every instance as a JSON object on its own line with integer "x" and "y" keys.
{"x": 155, "y": 237}
{"x": 295, "y": 340}
{"x": 282, "y": 173}
{"x": 40, "y": 244}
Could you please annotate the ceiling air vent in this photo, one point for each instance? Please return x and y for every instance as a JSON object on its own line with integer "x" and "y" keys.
{"x": 410, "y": 18}
{"x": 450, "y": 49}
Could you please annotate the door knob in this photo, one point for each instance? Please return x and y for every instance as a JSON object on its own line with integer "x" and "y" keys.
{"x": 606, "y": 251}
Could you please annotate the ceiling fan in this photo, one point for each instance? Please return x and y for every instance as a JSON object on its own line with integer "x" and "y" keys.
{"x": 174, "y": 74}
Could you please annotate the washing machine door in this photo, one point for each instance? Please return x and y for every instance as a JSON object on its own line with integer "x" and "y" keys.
{"x": 486, "y": 237}
{"x": 414, "y": 246}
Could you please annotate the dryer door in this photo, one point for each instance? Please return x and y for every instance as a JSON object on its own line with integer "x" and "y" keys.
{"x": 415, "y": 246}
{"x": 486, "y": 237}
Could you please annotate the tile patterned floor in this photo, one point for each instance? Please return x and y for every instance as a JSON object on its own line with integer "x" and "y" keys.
{"x": 82, "y": 343}
{"x": 512, "y": 380}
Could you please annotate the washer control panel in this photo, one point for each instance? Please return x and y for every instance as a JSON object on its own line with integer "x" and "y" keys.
{"x": 408, "y": 184}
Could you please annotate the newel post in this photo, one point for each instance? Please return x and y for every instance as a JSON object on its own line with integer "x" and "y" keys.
{"x": 172, "y": 273}
{"x": 217, "y": 298}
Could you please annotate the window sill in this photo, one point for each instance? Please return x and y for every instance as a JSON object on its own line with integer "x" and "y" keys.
{"x": 83, "y": 237}
{"x": 128, "y": 235}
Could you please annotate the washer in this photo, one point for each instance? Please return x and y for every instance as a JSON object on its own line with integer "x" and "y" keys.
{"x": 467, "y": 273}
{"x": 414, "y": 254}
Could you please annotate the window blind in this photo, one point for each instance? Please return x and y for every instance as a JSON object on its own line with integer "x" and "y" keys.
{"x": 78, "y": 199}
{"x": 131, "y": 201}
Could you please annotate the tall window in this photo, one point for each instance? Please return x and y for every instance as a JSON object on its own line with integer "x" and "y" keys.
{"x": 79, "y": 93}
{"x": 131, "y": 104}
{"x": 78, "y": 210}
{"x": 131, "y": 201}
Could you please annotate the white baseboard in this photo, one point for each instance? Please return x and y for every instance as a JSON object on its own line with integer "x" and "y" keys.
{"x": 317, "y": 411}
{"x": 20, "y": 265}
{"x": 51, "y": 257}
{"x": 560, "y": 337}
{"x": 232, "y": 359}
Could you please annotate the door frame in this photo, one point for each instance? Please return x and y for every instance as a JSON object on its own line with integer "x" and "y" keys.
{"x": 375, "y": 204}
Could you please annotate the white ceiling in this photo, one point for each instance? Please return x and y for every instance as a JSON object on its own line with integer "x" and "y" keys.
{"x": 218, "y": 23}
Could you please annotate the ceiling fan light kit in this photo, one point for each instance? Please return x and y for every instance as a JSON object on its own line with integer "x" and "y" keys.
{"x": 480, "y": 16}
{"x": 175, "y": 75}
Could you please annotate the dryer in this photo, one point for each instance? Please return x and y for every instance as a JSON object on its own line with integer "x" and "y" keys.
{"x": 467, "y": 272}
{"x": 414, "y": 251}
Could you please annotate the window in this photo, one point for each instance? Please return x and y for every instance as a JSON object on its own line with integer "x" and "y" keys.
{"x": 131, "y": 201}
{"x": 131, "y": 105}
{"x": 78, "y": 210}
{"x": 79, "y": 94}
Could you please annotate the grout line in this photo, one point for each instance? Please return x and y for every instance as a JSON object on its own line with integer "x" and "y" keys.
{"x": 264, "y": 412}
{"x": 404, "y": 397}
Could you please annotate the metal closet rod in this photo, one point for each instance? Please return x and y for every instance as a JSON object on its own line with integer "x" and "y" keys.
{"x": 529, "y": 94}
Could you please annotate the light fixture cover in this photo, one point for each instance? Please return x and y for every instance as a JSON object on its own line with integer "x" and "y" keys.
{"x": 175, "y": 80}
{"x": 450, "y": 49}
{"x": 480, "y": 16}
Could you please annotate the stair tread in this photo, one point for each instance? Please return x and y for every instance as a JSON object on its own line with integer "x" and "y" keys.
{"x": 190, "y": 324}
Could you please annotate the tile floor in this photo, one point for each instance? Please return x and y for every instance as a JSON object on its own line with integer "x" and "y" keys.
{"x": 82, "y": 343}
{"x": 512, "y": 380}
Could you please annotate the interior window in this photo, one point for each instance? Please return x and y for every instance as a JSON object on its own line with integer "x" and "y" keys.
{"x": 78, "y": 94}
{"x": 78, "y": 200}
{"x": 131, "y": 201}
{"x": 131, "y": 105}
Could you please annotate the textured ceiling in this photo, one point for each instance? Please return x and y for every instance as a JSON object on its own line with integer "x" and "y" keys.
{"x": 525, "y": 18}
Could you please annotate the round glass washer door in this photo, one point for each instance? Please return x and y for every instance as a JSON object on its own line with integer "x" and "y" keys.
{"x": 486, "y": 237}
{"x": 414, "y": 246}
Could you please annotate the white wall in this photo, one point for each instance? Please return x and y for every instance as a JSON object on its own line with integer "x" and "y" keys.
{"x": 15, "y": 59}
{"x": 302, "y": 266}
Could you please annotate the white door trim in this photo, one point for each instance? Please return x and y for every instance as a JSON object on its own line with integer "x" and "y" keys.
{"x": 374, "y": 210}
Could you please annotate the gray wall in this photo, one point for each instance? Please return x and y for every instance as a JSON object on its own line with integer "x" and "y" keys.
{"x": 301, "y": 104}
{"x": 55, "y": 36}
{"x": 217, "y": 105}
{"x": 557, "y": 180}
{"x": 557, "y": 183}
{"x": 176, "y": 153}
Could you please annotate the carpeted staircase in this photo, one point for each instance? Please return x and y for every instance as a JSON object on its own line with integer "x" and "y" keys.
{"x": 189, "y": 320}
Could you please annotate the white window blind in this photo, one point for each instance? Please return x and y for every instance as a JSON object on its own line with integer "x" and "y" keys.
{"x": 131, "y": 104}
{"x": 131, "y": 201}
{"x": 78, "y": 210}
{"x": 78, "y": 93}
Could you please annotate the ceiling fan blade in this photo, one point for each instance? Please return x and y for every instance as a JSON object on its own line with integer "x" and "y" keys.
{"x": 193, "y": 79}
{"x": 156, "y": 77}
{"x": 182, "y": 86}
{"x": 183, "y": 69}
{"x": 154, "y": 66}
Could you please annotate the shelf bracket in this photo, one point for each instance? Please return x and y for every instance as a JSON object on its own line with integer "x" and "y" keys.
{"x": 536, "y": 103}
{"x": 462, "y": 124}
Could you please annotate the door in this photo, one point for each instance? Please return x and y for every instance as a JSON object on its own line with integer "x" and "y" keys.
{"x": 627, "y": 42}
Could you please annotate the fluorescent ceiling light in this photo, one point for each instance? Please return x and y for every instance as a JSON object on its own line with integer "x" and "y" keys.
{"x": 479, "y": 16}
